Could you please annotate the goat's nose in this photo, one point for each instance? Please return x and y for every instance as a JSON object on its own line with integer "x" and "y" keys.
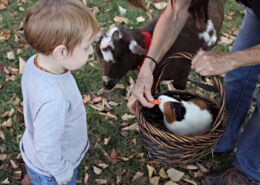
{"x": 105, "y": 79}
{"x": 108, "y": 82}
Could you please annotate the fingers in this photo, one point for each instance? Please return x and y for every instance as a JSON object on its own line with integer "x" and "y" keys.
{"x": 26, "y": 180}
{"x": 139, "y": 94}
{"x": 130, "y": 104}
{"x": 196, "y": 59}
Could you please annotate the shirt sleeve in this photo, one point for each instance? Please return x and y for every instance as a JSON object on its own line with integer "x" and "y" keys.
{"x": 49, "y": 124}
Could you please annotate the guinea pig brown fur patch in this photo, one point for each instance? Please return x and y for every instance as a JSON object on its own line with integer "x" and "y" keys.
{"x": 169, "y": 112}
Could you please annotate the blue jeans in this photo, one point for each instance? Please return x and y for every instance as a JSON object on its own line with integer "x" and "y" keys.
{"x": 38, "y": 179}
{"x": 239, "y": 86}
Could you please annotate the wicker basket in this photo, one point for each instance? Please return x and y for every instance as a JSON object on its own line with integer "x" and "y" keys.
{"x": 167, "y": 148}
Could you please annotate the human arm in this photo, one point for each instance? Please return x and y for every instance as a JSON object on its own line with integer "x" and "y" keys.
{"x": 208, "y": 63}
{"x": 49, "y": 123}
{"x": 167, "y": 29}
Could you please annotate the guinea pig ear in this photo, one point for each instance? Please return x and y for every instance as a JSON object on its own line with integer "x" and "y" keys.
{"x": 135, "y": 48}
{"x": 169, "y": 113}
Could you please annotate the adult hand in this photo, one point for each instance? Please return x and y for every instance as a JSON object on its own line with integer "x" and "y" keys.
{"x": 130, "y": 104}
{"x": 208, "y": 63}
{"x": 142, "y": 87}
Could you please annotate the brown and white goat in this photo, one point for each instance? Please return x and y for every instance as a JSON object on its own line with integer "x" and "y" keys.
{"x": 122, "y": 49}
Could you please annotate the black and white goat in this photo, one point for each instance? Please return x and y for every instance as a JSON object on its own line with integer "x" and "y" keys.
{"x": 123, "y": 49}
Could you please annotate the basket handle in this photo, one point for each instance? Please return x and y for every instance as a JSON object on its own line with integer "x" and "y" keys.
{"x": 183, "y": 55}
{"x": 186, "y": 55}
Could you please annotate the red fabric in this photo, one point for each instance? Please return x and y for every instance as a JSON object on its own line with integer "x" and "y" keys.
{"x": 147, "y": 41}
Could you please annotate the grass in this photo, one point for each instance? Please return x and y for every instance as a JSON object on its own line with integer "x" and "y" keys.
{"x": 89, "y": 82}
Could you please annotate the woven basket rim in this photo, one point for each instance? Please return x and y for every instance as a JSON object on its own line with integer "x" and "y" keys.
{"x": 167, "y": 134}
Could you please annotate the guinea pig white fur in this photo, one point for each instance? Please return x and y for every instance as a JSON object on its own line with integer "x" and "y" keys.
{"x": 188, "y": 118}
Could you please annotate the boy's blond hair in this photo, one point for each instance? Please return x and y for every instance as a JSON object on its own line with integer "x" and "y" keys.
{"x": 50, "y": 23}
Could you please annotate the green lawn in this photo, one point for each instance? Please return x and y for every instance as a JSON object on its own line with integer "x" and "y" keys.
{"x": 127, "y": 144}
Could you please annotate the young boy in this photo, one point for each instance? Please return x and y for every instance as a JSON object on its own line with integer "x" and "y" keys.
{"x": 55, "y": 139}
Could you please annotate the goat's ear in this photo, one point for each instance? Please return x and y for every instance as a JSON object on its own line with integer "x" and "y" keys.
{"x": 116, "y": 35}
{"x": 135, "y": 48}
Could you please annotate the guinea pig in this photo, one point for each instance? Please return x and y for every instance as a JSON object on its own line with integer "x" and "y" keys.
{"x": 187, "y": 118}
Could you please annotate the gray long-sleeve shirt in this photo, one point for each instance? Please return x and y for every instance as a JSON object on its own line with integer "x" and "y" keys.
{"x": 55, "y": 138}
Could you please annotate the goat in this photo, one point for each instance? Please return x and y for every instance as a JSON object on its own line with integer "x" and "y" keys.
{"x": 123, "y": 49}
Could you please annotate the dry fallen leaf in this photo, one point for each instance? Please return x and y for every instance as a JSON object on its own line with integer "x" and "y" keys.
{"x": 133, "y": 127}
{"x": 202, "y": 168}
{"x": 113, "y": 104}
{"x": 155, "y": 180}
{"x": 122, "y": 10}
{"x": 86, "y": 178}
{"x": 106, "y": 140}
{"x": 11, "y": 112}
{"x": 189, "y": 181}
{"x": 225, "y": 40}
{"x": 160, "y": 5}
{"x": 7, "y": 123}
{"x": 21, "y": 65}
{"x": 3, "y": 157}
{"x": 137, "y": 176}
{"x": 101, "y": 181}
{"x": 192, "y": 167}
{"x": 4, "y": 35}
{"x": 115, "y": 156}
{"x": 97, "y": 99}
{"x": 103, "y": 165}
{"x": 106, "y": 104}
{"x": 170, "y": 183}
{"x": 150, "y": 171}
{"x": 119, "y": 86}
{"x": 97, "y": 170}
{"x": 10, "y": 55}
{"x": 118, "y": 179}
{"x": 108, "y": 114}
{"x": 163, "y": 173}
{"x": 175, "y": 175}
{"x": 98, "y": 107}
{"x": 14, "y": 164}
{"x": 2, "y": 135}
{"x": 6, "y": 181}
{"x": 127, "y": 117}
{"x": 17, "y": 175}
{"x": 119, "y": 19}
{"x": 5, "y": 114}
{"x": 140, "y": 19}
{"x": 86, "y": 99}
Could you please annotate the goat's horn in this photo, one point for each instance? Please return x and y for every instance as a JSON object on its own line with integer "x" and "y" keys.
{"x": 136, "y": 48}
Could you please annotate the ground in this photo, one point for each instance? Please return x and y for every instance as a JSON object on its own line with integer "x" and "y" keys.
{"x": 115, "y": 156}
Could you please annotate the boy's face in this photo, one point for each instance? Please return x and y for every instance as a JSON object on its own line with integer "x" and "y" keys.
{"x": 79, "y": 56}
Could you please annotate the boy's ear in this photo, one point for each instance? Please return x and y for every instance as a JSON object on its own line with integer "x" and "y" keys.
{"x": 60, "y": 52}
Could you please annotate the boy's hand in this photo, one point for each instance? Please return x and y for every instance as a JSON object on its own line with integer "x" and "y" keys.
{"x": 26, "y": 180}
{"x": 66, "y": 181}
